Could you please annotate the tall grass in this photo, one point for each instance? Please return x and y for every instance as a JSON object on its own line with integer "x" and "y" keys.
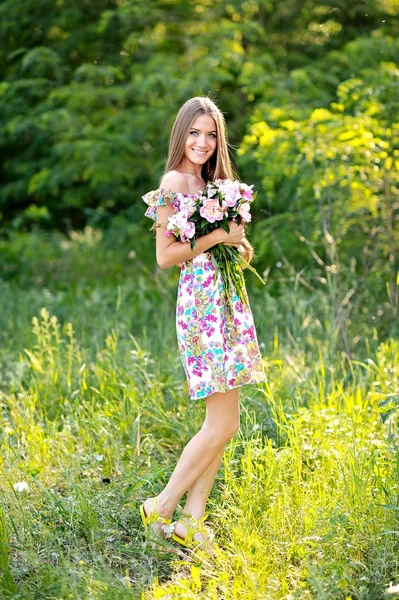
{"x": 95, "y": 412}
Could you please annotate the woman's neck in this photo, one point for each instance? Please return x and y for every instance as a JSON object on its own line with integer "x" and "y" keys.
{"x": 191, "y": 169}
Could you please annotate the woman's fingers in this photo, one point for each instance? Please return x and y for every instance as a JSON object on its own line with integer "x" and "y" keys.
{"x": 236, "y": 235}
{"x": 235, "y": 244}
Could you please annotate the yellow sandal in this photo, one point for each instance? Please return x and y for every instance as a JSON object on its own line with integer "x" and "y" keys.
{"x": 195, "y": 526}
{"x": 154, "y": 517}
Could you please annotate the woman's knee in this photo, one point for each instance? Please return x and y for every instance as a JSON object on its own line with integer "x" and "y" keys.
{"x": 221, "y": 433}
{"x": 232, "y": 429}
{"x": 223, "y": 415}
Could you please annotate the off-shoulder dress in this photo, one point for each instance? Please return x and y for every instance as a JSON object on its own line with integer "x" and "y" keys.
{"x": 218, "y": 348}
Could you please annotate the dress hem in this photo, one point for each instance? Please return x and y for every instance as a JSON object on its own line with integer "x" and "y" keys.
{"x": 233, "y": 387}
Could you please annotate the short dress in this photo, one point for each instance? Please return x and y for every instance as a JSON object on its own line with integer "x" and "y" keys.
{"x": 218, "y": 347}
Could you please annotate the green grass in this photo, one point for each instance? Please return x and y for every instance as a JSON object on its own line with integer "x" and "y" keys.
{"x": 95, "y": 413}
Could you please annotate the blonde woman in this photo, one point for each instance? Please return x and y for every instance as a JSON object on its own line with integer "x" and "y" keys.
{"x": 218, "y": 348}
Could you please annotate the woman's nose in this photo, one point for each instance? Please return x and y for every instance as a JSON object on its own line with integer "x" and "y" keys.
{"x": 202, "y": 141}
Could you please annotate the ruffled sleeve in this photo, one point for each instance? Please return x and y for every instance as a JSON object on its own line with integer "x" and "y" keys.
{"x": 157, "y": 198}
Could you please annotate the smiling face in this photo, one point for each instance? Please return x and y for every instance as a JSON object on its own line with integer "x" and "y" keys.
{"x": 198, "y": 143}
{"x": 201, "y": 140}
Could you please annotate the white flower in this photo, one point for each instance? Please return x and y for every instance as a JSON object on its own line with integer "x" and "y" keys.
{"x": 99, "y": 457}
{"x": 126, "y": 581}
{"x": 21, "y": 486}
{"x": 168, "y": 529}
{"x": 210, "y": 533}
{"x": 392, "y": 589}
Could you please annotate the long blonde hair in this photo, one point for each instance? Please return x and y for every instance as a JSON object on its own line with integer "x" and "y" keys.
{"x": 219, "y": 165}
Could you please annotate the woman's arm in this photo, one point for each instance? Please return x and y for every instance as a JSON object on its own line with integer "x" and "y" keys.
{"x": 169, "y": 251}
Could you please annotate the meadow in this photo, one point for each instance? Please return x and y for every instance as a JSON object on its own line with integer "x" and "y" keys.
{"x": 95, "y": 411}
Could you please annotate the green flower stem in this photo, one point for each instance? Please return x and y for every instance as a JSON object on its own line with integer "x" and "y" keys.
{"x": 228, "y": 261}
{"x": 243, "y": 262}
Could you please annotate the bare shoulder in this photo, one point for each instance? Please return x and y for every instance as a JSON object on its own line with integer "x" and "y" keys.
{"x": 175, "y": 181}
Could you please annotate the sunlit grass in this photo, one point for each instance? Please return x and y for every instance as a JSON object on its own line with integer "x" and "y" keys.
{"x": 95, "y": 412}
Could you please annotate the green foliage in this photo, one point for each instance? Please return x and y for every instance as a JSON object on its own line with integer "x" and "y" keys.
{"x": 90, "y": 90}
{"x": 330, "y": 180}
{"x": 6, "y": 580}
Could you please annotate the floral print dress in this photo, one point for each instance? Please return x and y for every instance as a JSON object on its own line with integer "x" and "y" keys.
{"x": 218, "y": 348}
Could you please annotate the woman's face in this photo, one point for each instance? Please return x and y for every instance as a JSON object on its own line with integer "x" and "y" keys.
{"x": 201, "y": 140}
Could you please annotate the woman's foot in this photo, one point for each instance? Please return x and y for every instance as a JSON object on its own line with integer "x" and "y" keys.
{"x": 155, "y": 518}
{"x": 189, "y": 532}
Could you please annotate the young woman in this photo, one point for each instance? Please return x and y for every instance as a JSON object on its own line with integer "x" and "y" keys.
{"x": 219, "y": 350}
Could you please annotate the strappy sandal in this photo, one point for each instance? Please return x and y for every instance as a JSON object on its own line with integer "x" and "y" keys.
{"x": 167, "y": 525}
{"x": 194, "y": 526}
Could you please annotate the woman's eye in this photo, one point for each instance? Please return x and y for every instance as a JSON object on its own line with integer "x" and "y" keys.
{"x": 196, "y": 133}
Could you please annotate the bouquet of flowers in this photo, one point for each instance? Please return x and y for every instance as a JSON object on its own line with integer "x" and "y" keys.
{"x": 221, "y": 202}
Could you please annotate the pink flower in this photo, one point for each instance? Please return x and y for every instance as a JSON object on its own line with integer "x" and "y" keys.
{"x": 239, "y": 307}
{"x": 188, "y": 231}
{"x": 231, "y": 192}
{"x": 211, "y": 318}
{"x": 212, "y": 211}
{"x": 244, "y": 211}
{"x": 176, "y": 204}
{"x": 183, "y": 325}
{"x": 168, "y": 233}
{"x": 246, "y": 191}
{"x": 208, "y": 281}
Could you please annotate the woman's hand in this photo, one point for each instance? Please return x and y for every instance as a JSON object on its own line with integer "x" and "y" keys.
{"x": 235, "y": 237}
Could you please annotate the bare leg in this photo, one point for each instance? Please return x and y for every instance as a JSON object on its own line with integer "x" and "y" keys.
{"x": 198, "y": 493}
{"x": 197, "y": 497}
{"x": 203, "y": 452}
